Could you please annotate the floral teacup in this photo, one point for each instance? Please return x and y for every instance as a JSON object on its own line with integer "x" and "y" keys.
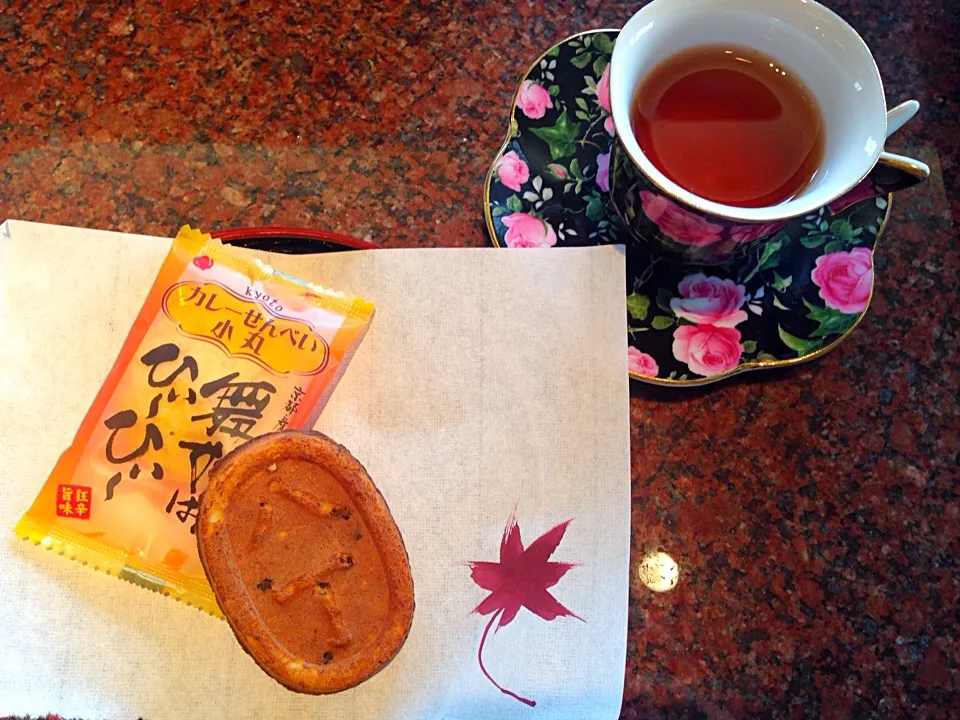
{"x": 833, "y": 62}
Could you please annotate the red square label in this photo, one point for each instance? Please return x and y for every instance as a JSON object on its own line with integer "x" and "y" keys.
{"x": 73, "y": 501}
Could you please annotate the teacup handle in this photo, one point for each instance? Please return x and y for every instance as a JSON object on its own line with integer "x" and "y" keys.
{"x": 918, "y": 171}
{"x": 900, "y": 115}
{"x": 892, "y": 172}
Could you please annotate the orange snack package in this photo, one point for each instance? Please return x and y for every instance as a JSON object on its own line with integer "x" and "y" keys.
{"x": 224, "y": 349}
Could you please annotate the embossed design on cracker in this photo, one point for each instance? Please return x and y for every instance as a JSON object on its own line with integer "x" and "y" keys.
{"x": 306, "y": 561}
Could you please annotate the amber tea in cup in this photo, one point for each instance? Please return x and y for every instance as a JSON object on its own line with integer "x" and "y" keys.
{"x": 730, "y": 124}
{"x": 734, "y": 117}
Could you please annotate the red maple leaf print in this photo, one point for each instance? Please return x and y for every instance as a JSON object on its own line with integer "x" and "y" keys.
{"x": 520, "y": 579}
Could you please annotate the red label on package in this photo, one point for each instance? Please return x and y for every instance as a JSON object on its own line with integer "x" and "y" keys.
{"x": 73, "y": 501}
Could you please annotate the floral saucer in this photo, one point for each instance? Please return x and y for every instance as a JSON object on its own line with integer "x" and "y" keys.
{"x": 790, "y": 301}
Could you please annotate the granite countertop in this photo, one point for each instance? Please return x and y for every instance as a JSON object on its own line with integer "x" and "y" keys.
{"x": 813, "y": 512}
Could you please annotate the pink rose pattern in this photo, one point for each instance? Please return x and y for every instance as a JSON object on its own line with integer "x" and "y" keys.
{"x": 706, "y": 349}
{"x": 641, "y": 363}
{"x": 678, "y": 224}
{"x": 603, "y": 99}
{"x": 528, "y": 231}
{"x": 708, "y": 308}
{"x": 689, "y": 228}
{"x": 710, "y": 301}
{"x": 711, "y": 345}
{"x": 533, "y": 100}
{"x": 747, "y": 233}
{"x": 512, "y": 171}
{"x": 558, "y": 171}
{"x": 603, "y": 172}
{"x": 845, "y": 279}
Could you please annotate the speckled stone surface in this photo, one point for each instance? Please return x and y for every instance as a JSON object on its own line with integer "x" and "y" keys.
{"x": 814, "y": 513}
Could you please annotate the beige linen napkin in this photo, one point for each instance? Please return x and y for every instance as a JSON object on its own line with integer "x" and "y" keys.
{"x": 491, "y": 380}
